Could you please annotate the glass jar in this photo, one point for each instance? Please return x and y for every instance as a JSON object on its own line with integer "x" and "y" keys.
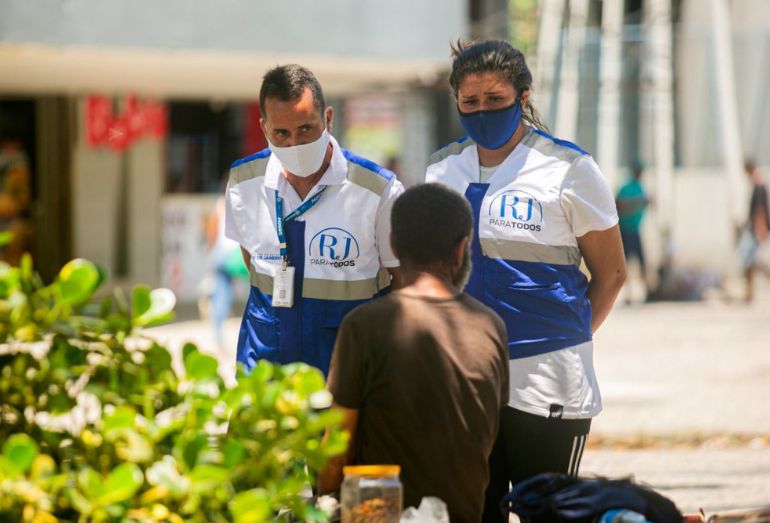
{"x": 371, "y": 493}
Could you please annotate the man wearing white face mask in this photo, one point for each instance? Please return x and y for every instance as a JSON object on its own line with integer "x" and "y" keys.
{"x": 313, "y": 222}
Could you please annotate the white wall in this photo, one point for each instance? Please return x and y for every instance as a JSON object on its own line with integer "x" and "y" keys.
{"x": 699, "y": 135}
{"x": 374, "y": 28}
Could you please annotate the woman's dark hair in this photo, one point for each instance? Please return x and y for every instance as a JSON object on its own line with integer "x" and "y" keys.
{"x": 428, "y": 221}
{"x": 495, "y": 56}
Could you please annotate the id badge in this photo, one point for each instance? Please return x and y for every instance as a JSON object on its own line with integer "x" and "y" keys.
{"x": 283, "y": 287}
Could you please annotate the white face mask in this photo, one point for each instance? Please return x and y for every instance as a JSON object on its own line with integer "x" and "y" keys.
{"x": 302, "y": 160}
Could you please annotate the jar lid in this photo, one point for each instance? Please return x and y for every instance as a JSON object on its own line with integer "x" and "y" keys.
{"x": 372, "y": 470}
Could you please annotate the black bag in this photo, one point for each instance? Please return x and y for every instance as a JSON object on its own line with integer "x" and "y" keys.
{"x": 552, "y": 497}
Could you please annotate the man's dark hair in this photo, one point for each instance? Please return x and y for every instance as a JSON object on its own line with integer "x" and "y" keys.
{"x": 288, "y": 82}
{"x": 427, "y": 224}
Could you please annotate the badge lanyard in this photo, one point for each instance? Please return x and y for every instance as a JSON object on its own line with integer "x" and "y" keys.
{"x": 296, "y": 213}
{"x": 283, "y": 281}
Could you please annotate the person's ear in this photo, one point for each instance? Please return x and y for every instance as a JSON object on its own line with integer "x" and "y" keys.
{"x": 263, "y": 125}
{"x": 525, "y": 98}
{"x": 329, "y": 115}
{"x": 459, "y": 252}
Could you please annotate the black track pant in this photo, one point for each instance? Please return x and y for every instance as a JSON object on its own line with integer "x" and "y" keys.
{"x": 528, "y": 445}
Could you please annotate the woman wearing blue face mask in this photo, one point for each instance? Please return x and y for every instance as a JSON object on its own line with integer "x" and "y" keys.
{"x": 541, "y": 207}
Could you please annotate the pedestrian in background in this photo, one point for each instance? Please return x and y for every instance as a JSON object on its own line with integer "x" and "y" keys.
{"x": 754, "y": 243}
{"x": 541, "y": 205}
{"x": 313, "y": 222}
{"x": 632, "y": 202}
{"x": 225, "y": 265}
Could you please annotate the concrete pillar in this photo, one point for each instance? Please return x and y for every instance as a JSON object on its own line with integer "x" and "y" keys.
{"x": 418, "y": 124}
{"x": 145, "y": 188}
{"x": 569, "y": 84}
{"x": 95, "y": 195}
{"x": 727, "y": 102}
{"x": 546, "y": 63}
{"x": 609, "y": 89}
{"x": 659, "y": 72}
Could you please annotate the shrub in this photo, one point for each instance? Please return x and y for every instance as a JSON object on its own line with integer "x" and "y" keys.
{"x": 95, "y": 425}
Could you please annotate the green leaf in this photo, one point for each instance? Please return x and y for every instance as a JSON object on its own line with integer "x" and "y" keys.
{"x": 190, "y": 448}
{"x": 158, "y": 359}
{"x": 159, "y": 309}
{"x": 122, "y": 417}
{"x": 43, "y": 467}
{"x": 25, "y": 266}
{"x": 187, "y": 349}
{"x": 336, "y": 442}
{"x": 60, "y": 403}
{"x": 66, "y": 356}
{"x": 90, "y": 483}
{"x": 121, "y": 484}
{"x": 210, "y": 474}
{"x": 5, "y": 238}
{"x": 199, "y": 366}
{"x": 77, "y": 281}
{"x": 251, "y": 506}
{"x": 233, "y": 452}
{"x": 105, "y": 307}
{"x": 140, "y": 301}
{"x": 20, "y": 449}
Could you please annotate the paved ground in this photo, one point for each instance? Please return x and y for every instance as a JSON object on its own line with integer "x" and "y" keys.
{"x": 686, "y": 390}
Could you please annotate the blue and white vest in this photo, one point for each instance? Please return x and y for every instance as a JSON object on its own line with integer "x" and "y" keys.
{"x": 339, "y": 248}
{"x": 526, "y": 260}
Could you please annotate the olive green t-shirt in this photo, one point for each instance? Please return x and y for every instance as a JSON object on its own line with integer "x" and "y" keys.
{"x": 429, "y": 378}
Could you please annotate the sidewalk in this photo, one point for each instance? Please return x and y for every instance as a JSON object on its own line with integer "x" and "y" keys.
{"x": 689, "y": 382}
{"x": 686, "y": 383}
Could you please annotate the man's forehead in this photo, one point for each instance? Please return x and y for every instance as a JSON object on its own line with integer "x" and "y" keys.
{"x": 291, "y": 109}
{"x": 304, "y": 99}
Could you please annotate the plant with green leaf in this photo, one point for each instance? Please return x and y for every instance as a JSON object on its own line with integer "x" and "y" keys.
{"x": 95, "y": 425}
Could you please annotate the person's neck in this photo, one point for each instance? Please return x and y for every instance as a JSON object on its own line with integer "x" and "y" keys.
{"x": 303, "y": 185}
{"x": 427, "y": 284}
{"x": 494, "y": 157}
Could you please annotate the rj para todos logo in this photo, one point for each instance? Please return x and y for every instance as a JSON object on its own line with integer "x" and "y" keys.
{"x": 517, "y": 210}
{"x": 334, "y": 246}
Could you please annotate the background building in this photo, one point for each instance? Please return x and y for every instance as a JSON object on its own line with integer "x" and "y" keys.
{"x": 130, "y": 113}
{"x": 678, "y": 86}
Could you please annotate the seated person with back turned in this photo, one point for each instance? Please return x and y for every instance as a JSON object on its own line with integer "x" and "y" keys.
{"x": 422, "y": 374}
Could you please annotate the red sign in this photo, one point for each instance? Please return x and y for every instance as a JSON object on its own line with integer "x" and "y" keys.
{"x": 119, "y": 131}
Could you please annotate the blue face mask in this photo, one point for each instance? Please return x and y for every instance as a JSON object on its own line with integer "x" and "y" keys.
{"x": 492, "y": 129}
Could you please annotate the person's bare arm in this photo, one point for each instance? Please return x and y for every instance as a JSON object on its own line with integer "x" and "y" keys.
{"x": 395, "y": 278}
{"x": 246, "y": 258}
{"x": 760, "y": 224}
{"x": 330, "y": 478}
{"x": 603, "y": 254}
